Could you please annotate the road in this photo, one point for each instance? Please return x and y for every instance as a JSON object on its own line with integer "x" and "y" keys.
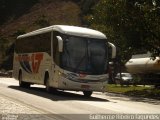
{"x": 68, "y": 105}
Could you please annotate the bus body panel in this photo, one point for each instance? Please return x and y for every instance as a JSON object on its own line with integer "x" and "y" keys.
{"x": 32, "y": 65}
{"x": 73, "y": 81}
{"x": 59, "y": 78}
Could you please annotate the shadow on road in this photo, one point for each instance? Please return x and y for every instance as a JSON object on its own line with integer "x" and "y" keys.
{"x": 58, "y": 95}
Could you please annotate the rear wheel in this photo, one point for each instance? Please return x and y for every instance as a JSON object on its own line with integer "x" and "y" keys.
{"x": 21, "y": 83}
{"x": 48, "y": 88}
{"x": 87, "y": 93}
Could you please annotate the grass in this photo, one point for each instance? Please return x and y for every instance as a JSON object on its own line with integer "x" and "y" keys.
{"x": 139, "y": 91}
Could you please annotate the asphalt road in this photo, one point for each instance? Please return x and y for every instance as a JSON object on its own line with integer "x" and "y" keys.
{"x": 73, "y": 105}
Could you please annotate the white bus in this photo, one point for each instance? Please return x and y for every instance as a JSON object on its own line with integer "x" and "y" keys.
{"x": 63, "y": 57}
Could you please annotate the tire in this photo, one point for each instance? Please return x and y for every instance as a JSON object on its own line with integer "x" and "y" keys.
{"x": 87, "y": 93}
{"x": 21, "y": 83}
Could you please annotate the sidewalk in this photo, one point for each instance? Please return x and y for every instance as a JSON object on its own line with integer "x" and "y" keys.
{"x": 12, "y": 110}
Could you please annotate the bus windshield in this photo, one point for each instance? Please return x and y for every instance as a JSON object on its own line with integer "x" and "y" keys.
{"x": 84, "y": 55}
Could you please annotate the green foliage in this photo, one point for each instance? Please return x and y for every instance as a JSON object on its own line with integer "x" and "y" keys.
{"x": 138, "y": 91}
{"x": 6, "y": 54}
{"x": 124, "y": 89}
{"x": 136, "y": 80}
{"x": 42, "y": 21}
{"x": 86, "y": 5}
{"x": 132, "y": 25}
{"x": 19, "y": 32}
{"x": 7, "y": 63}
{"x": 3, "y": 46}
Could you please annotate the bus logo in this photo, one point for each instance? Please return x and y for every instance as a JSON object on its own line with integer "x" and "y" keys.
{"x": 30, "y": 63}
{"x": 36, "y": 60}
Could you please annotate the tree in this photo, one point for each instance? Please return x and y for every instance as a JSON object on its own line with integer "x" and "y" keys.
{"x": 132, "y": 25}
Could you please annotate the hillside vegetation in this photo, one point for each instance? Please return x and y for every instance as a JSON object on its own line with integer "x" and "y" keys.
{"x": 132, "y": 25}
{"x": 42, "y": 14}
{"x": 22, "y": 16}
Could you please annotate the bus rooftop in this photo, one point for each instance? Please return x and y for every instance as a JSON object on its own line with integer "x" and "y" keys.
{"x": 70, "y": 30}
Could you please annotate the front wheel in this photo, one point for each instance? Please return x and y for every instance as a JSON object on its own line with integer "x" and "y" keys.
{"x": 87, "y": 93}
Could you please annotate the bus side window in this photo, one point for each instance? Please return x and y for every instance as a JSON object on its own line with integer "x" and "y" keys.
{"x": 31, "y": 44}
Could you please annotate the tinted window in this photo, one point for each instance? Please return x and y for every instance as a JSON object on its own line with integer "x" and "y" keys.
{"x": 37, "y": 43}
{"x": 87, "y": 55}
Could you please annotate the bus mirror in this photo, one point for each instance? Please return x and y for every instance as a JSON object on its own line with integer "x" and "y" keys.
{"x": 113, "y": 50}
{"x": 60, "y": 43}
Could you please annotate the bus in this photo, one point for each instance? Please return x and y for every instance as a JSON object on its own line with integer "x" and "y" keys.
{"x": 63, "y": 57}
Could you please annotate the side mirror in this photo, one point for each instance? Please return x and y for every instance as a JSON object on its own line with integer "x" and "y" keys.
{"x": 60, "y": 43}
{"x": 113, "y": 50}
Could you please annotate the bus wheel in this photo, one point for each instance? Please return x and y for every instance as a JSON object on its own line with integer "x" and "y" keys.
{"x": 87, "y": 93}
{"x": 48, "y": 88}
{"x": 21, "y": 83}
